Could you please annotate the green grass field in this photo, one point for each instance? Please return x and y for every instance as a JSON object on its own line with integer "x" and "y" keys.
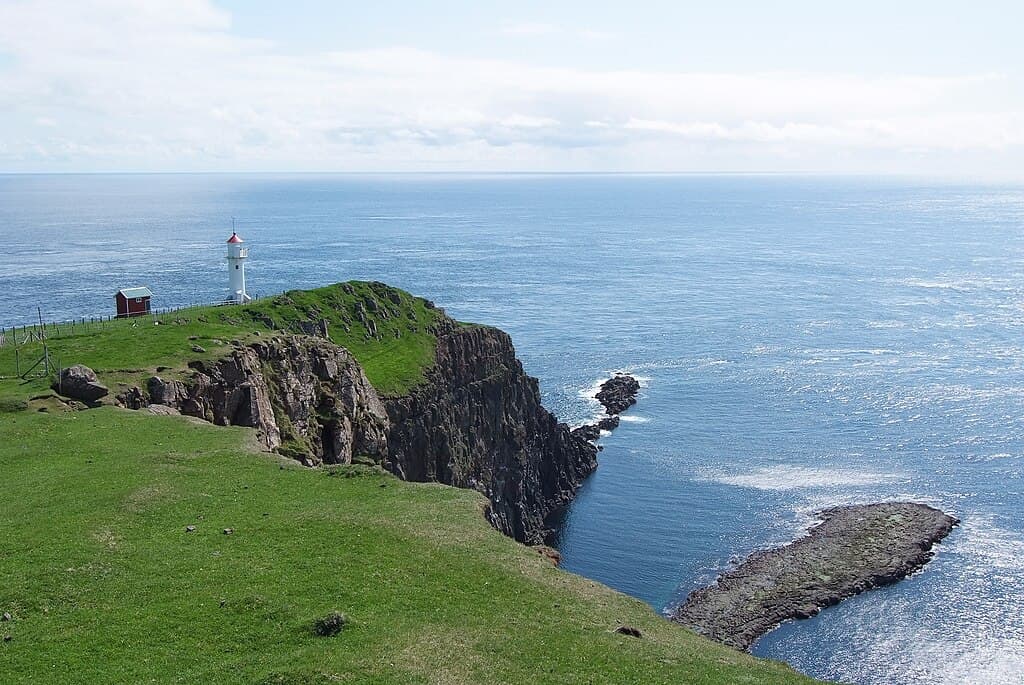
{"x": 106, "y": 585}
{"x": 126, "y": 350}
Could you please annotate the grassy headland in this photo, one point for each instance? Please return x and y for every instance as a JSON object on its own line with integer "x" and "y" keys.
{"x": 393, "y": 343}
{"x": 106, "y": 582}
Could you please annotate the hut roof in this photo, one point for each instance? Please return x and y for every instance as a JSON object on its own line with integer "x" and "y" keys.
{"x": 139, "y": 291}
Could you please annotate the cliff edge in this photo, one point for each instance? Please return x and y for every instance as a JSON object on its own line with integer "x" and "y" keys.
{"x": 473, "y": 419}
{"x": 478, "y": 423}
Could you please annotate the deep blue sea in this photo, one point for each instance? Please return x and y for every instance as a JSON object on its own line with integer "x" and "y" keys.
{"x": 803, "y": 342}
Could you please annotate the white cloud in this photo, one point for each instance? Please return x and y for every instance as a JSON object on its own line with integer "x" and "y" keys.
{"x": 530, "y": 29}
{"x": 162, "y": 84}
{"x": 940, "y": 131}
{"x": 522, "y": 121}
{"x": 535, "y": 29}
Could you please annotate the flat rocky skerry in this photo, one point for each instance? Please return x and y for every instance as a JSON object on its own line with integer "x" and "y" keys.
{"x": 853, "y": 549}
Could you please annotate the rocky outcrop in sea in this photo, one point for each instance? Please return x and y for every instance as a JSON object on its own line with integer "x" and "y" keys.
{"x": 853, "y": 549}
{"x": 616, "y": 395}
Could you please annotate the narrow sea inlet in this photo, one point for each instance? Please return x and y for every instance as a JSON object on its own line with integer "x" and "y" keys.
{"x": 801, "y": 343}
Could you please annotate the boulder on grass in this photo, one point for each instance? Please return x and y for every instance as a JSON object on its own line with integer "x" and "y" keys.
{"x": 80, "y": 382}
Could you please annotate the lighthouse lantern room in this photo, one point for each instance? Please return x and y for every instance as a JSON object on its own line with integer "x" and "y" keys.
{"x": 237, "y": 254}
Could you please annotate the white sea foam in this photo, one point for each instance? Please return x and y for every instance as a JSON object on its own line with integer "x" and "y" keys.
{"x": 590, "y": 392}
{"x": 594, "y": 409}
{"x": 764, "y": 349}
{"x": 931, "y": 284}
{"x": 842, "y": 352}
{"x": 689, "y": 364}
{"x": 791, "y": 477}
{"x": 991, "y": 457}
{"x": 644, "y": 381}
{"x": 597, "y": 411}
{"x": 633, "y": 418}
{"x": 963, "y": 284}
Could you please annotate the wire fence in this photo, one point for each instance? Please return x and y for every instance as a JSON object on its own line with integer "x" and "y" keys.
{"x": 16, "y": 336}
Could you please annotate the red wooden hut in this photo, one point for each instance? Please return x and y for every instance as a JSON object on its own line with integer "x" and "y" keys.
{"x": 132, "y": 301}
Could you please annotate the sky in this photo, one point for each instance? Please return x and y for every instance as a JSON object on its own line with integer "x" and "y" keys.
{"x": 791, "y": 86}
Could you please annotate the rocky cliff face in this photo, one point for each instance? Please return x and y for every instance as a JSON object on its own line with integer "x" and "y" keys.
{"x": 477, "y": 422}
{"x": 304, "y": 396}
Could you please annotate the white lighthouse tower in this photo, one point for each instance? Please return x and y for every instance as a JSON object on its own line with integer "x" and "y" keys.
{"x": 236, "y": 270}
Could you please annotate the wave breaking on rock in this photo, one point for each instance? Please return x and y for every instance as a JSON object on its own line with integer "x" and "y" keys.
{"x": 616, "y": 395}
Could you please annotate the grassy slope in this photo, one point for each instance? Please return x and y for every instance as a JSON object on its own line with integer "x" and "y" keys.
{"x": 128, "y": 350}
{"x": 106, "y": 586}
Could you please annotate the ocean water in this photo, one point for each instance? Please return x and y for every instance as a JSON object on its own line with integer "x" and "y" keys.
{"x": 802, "y": 342}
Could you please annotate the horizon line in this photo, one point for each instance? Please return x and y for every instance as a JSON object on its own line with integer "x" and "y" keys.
{"x": 781, "y": 174}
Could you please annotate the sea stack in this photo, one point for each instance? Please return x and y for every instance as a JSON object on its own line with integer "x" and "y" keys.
{"x": 616, "y": 395}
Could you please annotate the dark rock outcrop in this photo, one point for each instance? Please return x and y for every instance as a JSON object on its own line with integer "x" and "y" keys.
{"x": 592, "y": 431}
{"x": 80, "y": 383}
{"x": 588, "y": 431}
{"x": 171, "y": 393}
{"x": 132, "y": 398}
{"x": 618, "y": 393}
{"x": 304, "y": 395}
{"x": 476, "y": 422}
{"x": 853, "y": 549}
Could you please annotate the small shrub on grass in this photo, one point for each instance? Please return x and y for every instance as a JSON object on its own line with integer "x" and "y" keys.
{"x": 329, "y": 625}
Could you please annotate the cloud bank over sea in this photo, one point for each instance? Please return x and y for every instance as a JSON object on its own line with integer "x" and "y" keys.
{"x": 160, "y": 85}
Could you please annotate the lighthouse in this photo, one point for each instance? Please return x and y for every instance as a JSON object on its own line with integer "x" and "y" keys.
{"x": 236, "y": 270}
